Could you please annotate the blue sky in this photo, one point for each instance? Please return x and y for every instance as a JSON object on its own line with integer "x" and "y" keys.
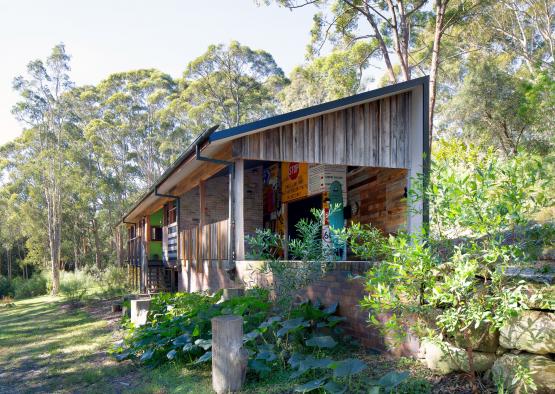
{"x": 106, "y": 36}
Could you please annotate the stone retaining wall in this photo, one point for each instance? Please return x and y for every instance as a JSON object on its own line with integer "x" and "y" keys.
{"x": 527, "y": 340}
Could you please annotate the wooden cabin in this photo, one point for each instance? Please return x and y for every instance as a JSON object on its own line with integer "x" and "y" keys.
{"x": 188, "y": 231}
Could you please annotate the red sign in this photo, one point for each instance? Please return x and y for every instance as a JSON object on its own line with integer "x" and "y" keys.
{"x": 293, "y": 171}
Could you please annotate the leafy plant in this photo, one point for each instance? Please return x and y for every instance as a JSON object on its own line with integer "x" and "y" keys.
{"x": 453, "y": 276}
{"x": 308, "y": 259}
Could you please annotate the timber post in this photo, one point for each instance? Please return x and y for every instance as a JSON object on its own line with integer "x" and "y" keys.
{"x": 232, "y": 292}
{"x": 229, "y": 359}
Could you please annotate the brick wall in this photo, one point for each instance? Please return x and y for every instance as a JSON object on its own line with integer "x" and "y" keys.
{"x": 253, "y": 200}
{"x": 217, "y": 199}
{"x": 375, "y": 196}
{"x": 189, "y": 213}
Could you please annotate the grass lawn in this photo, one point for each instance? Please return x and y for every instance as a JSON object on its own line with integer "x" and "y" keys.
{"x": 46, "y": 347}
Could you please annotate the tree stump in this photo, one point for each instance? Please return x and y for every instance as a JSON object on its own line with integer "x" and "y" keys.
{"x": 116, "y": 307}
{"x": 229, "y": 359}
{"x": 231, "y": 292}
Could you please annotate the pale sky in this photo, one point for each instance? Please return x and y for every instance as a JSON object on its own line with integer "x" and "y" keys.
{"x": 106, "y": 36}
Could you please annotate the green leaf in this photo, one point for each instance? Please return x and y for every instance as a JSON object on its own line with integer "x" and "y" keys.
{"x": 310, "y": 386}
{"x": 290, "y": 325}
{"x": 334, "y": 320}
{"x": 123, "y": 356}
{"x": 348, "y": 367}
{"x": 335, "y": 388}
{"x": 182, "y": 340}
{"x": 205, "y": 357}
{"x": 268, "y": 356}
{"x": 251, "y": 336}
{"x": 321, "y": 342}
{"x": 204, "y": 343}
{"x": 147, "y": 355}
{"x": 295, "y": 359}
{"x": 392, "y": 379}
{"x": 259, "y": 366}
{"x": 171, "y": 354}
{"x": 330, "y": 310}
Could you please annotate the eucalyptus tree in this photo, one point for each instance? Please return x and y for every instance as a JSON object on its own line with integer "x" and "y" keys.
{"x": 229, "y": 86}
{"x": 325, "y": 78}
{"x": 392, "y": 31}
{"x": 131, "y": 107}
{"x": 40, "y": 109}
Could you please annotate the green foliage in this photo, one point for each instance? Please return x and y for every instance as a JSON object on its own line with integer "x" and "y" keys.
{"x": 230, "y": 86}
{"x": 114, "y": 280}
{"x": 6, "y": 289}
{"x": 74, "y": 285}
{"x": 481, "y": 210}
{"x": 32, "y": 287}
{"x": 309, "y": 258}
{"x": 512, "y": 118}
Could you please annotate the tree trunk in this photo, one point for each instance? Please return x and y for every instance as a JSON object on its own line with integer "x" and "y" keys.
{"x": 441, "y": 6}
{"x": 9, "y": 256}
{"x": 97, "y": 252}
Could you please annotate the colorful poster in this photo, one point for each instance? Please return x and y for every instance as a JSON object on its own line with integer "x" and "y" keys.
{"x": 294, "y": 181}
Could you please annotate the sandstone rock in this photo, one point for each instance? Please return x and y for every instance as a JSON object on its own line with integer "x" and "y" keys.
{"x": 501, "y": 351}
{"x": 540, "y": 296}
{"x": 535, "y": 274}
{"x": 481, "y": 339}
{"x": 443, "y": 358}
{"x": 531, "y": 331}
{"x": 541, "y": 368}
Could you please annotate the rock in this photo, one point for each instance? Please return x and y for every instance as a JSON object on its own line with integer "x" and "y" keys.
{"x": 540, "y": 296}
{"x": 535, "y": 274}
{"x": 501, "y": 351}
{"x": 482, "y": 340}
{"x": 541, "y": 368}
{"x": 443, "y": 358}
{"x": 531, "y": 331}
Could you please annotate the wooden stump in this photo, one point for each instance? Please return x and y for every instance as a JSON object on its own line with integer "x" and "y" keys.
{"x": 229, "y": 359}
{"x": 233, "y": 292}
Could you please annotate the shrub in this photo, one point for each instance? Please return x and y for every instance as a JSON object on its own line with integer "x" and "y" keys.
{"x": 32, "y": 287}
{"x": 6, "y": 288}
{"x": 74, "y": 285}
{"x": 481, "y": 209}
{"x": 114, "y": 280}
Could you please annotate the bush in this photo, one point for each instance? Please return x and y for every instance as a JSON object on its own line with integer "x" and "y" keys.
{"x": 6, "y": 289}
{"x": 114, "y": 280}
{"x": 74, "y": 285}
{"x": 26, "y": 288}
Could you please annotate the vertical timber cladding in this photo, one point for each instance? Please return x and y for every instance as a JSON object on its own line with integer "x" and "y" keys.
{"x": 374, "y": 134}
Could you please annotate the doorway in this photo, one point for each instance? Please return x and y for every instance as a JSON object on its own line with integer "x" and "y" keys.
{"x": 300, "y": 209}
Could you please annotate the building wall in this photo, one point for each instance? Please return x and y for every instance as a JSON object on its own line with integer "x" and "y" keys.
{"x": 376, "y": 196}
{"x": 189, "y": 211}
{"x": 337, "y": 286}
{"x": 253, "y": 200}
{"x": 217, "y": 199}
{"x": 377, "y": 134}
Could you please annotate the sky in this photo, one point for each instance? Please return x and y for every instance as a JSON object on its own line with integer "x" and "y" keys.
{"x": 107, "y": 36}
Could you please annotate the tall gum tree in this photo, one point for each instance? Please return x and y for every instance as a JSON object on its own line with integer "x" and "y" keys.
{"x": 40, "y": 108}
{"x": 391, "y": 28}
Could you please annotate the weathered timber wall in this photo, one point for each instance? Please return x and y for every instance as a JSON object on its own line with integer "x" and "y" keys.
{"x": 374, "y": 134}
